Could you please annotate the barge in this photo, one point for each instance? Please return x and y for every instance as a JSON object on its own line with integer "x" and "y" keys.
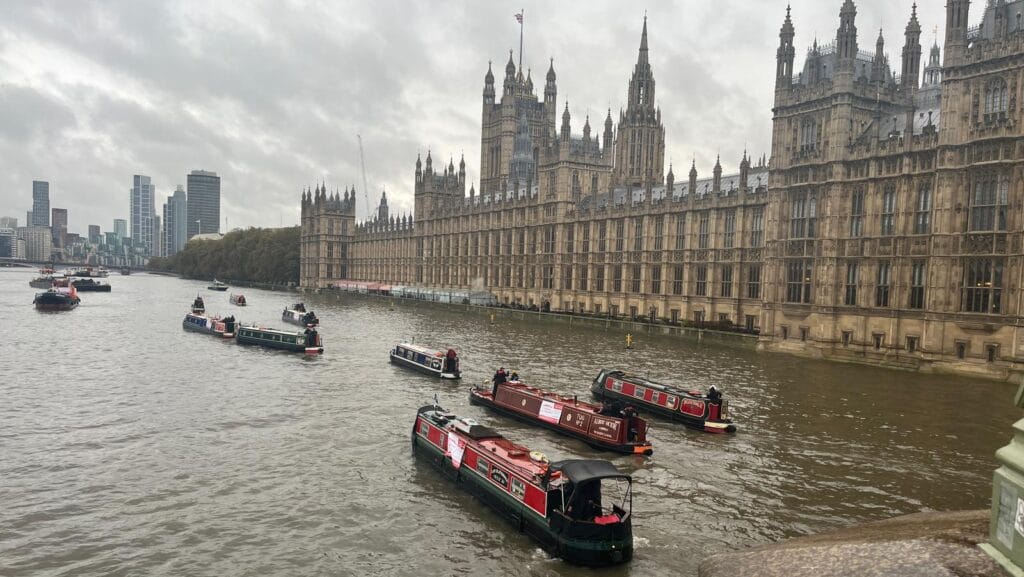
{"x": 610, "y": 426}
{"x": 708, "y": 412}
{"x": 442, "y": 364}
{"x": 578, "y": 510}
{"x": 307, "y": 341}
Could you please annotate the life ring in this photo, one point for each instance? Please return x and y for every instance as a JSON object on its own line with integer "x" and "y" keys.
{"x": 538, "y": 456}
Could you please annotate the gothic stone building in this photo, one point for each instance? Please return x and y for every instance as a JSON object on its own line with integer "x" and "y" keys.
{"x": 888, "y": 231}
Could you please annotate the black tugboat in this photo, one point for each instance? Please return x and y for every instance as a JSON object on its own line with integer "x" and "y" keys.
{"x": 705, "y": 412}
{"x": 90, "y": 285}
{"x": 57, "y": 299}
{"x": 579, "y": 510}
{"x": 297, "y": 315}
{"x": 198, "y": 306}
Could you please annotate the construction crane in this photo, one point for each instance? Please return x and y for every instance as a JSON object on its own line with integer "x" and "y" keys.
{"x": 366, "y": 187}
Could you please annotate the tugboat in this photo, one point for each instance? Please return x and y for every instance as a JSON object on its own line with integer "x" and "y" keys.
{"x": 89, "y": 285}
{"x": 443, "y": 364}
{"x": 58, "y": 298}
{"x": 579, "y": 510}
{"x": 611, "y": 426}
{"x": 705, "y": 412}
{"x": 238, "y": 299}
{"x": 224, "y": 327}
{"x": 216, "y": 285}
{"x": 307, "y": 341}
{"x": 198, "y": 306}
{"x": 43, "y": 282}
{"x": 297, "y": 315}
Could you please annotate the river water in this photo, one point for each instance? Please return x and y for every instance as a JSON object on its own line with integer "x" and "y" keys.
{"x": 131, "y": 447}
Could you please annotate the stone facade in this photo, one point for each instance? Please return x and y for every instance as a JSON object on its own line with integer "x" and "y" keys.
{"x": 894, "y": 220}
{"x": 888, "y": 230}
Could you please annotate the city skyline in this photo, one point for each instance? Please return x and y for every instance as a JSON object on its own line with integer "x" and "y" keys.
{"x": 299, "y": 126}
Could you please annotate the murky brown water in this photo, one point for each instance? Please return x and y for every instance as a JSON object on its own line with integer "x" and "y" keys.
{"x": 130, "y": 447}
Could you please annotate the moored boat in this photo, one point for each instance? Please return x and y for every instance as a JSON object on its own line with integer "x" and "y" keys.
{"x": 216, "y": 285}
{"x": 58, "y": 298}
{"x": 443, "y": 364}
{"x": 212, "y": 325}
{"x": 307, "y": 341}
{"x": 89, "y": 285}
{"x": 237, "y": 299}
{"x": 705, "y": 412}
{"x": 579, "y": 510}
{"x": 610, "y": 426}
{"x": 298, "y": 315}
{"x": 89, "y": 272}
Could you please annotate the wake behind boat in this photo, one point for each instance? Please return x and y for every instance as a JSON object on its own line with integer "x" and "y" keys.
{"x": 297, "y": 315}
{"x": 708, "y": 413}
{"x": 443, "y": 364}
{"x": 579, "y": 510}
{"x": 612, "y": 428}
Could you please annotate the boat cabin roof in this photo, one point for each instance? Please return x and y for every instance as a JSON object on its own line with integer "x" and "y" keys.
{"x": 651, "y": 384}
{"x": 582, "y": 470}
{"x": 489, "y": 442}
{"x": 421, "y": 349}
{"x": 270, "y": 330}
{"x": 550, "y": 396}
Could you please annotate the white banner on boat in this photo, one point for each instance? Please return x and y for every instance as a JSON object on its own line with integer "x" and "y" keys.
{"x": 456, "y": 447}
{"x": 550, "y": 412}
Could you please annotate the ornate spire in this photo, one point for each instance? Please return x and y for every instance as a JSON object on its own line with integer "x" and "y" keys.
{"x": 551, "y": 71}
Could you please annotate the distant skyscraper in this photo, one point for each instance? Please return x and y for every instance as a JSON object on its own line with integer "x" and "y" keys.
{"x": 40, "y": 203}
{"x": 28, "y": 218}
{"x": 94, "y": 234}
{"x": 8, "y": 222}
{"x": 8, "y": 243}
{"x": 203, "y": 204}
{"x": 142, "y": 213}
{"x": 121, "y": 228}
{"x": 175, "y": 222}
{"x": 59, "y": 226}
{"x": 38, "y": 243}
{"x": 158, "y": 235}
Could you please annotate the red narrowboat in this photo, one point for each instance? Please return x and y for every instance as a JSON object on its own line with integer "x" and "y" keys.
{"x": 610, "y": 426}
{"x": 579, "y": 510}
{"x": 705, "y": 412}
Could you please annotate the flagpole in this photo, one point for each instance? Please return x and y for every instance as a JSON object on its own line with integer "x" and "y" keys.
{"x": 522, "y": 17}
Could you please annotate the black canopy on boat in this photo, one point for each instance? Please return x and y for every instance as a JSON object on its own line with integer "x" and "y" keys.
{"x": 581, "y": 470}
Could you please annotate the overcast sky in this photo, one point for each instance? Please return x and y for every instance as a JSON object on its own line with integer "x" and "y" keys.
{"x": 271, "y": 94}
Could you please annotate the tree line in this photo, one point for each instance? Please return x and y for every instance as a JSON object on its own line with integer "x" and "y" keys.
{"x": 267, "y": 255}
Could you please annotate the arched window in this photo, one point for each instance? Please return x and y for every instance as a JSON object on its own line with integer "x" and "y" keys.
{"x": 988, "y": 201}
{"x": 995, "y": 96}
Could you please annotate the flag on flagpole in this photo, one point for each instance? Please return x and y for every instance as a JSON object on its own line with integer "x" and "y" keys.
{"x": 519, "y": 17}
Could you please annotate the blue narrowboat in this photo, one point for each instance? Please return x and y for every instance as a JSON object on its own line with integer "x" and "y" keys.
{"x": 443, "y": 364}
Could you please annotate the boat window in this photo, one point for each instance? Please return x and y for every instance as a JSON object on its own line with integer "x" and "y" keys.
{"x": 617, "y": 386}
{"x": 518, "y": 488}
{"x": 639, "y": 392}
{"x": 500, "y": 477}
{"x": 424, "y": 429}
{"x": 481, "y": 467}
{"x": 670, "y": 401}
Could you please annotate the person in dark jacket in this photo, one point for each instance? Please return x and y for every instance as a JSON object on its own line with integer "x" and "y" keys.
{"x": 499, "y": 378}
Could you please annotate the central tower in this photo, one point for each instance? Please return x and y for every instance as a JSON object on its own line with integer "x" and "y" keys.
{"x": 640, "y": 142}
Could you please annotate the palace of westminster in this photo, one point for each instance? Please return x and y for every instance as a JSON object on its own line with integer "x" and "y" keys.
{"x": 885, "y": 227}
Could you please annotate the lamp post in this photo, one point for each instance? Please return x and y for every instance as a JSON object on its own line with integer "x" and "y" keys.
{"x": 1006, "y": 529}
